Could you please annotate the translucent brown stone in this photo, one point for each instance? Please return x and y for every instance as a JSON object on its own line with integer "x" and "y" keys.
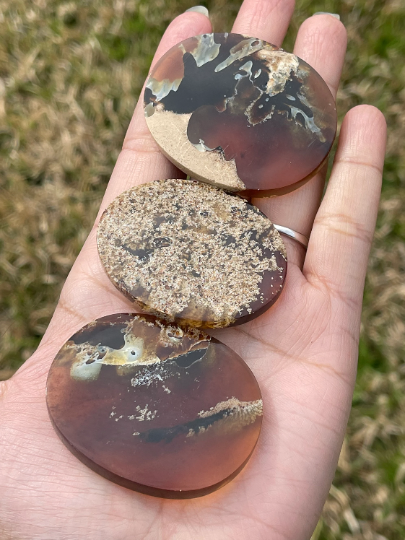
{"x": 191, "y": 253}
{"x": 240, "y": 113}
{"x": 159, "y": 409}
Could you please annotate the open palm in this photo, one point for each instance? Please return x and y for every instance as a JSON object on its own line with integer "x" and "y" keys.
{"x": 303, "y": 351}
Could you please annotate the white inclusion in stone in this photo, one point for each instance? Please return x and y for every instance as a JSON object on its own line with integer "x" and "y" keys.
{"x": 90, "y": 358}
{"x": 161, "y": 89}
{"x": 144, "y": 414}
{"x": 133, "y": 348}
{"x": 202, "y": 147}
{"x": 241, "y": 50}
{"x": 81, "y": 371}
{"x": 304, "y": 100}
{"x": 280, "y": 66}
{"x": 130, "y": 353}
{"x": 291, "y": 98}
{"x": 258, "y": 73}
{"x": 309, "y": 122}
{"x": 247, "y": 68}
{"x": 206, "y": 51}
{"x": 149, "y": 110}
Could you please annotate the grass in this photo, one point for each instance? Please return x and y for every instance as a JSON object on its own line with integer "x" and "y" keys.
{"x": 70, "y": 74}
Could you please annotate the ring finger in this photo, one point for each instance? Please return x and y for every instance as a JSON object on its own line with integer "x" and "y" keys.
{"x": 321, "y": 42}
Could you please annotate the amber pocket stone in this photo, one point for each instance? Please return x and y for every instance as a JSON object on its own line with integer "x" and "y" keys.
{"x": 191, "y": 253}
{"x": 240, "y": 113}
{"x": 156, "y": 408}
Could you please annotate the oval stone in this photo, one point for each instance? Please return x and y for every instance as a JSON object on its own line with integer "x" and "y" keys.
{"x": 156, "y": 408}
{"x": 239, "y": 113}
{"x": 191, "y": 253}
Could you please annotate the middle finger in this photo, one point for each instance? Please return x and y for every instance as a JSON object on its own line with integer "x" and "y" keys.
{"x": 264, "y": 19}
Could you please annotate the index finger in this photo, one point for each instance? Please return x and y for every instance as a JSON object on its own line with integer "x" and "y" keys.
{"x": 140, "y": 160}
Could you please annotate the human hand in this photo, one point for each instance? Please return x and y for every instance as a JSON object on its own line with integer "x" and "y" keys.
{"x": 303, "y": 351}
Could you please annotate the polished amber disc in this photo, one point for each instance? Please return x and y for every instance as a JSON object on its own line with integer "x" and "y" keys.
{"x": 191, "y": 253}
{"x": 156, "y": 408}
{"x": 240, "y": 113}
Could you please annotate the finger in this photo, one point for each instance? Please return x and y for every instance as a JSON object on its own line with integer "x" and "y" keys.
{"x": 141, "y": 160}
{"x": 264, "y": 19}
{"x": 321, "y": 42}
{"x": 344, "y": 225}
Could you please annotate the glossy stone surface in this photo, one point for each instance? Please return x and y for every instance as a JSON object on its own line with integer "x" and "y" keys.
{"x": 240, "y": 113}
{"x": 153, "y": 407}
{"x": 191, "y": 253}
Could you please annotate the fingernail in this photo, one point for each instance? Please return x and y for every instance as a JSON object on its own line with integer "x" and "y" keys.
{"x": 327, "y": 13}
{"x": 199, "y": 9}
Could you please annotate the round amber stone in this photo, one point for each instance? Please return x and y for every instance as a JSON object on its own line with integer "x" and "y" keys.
{"x": 239, "y": 113}
{"x": 191, "y": 253}
{"x": 156, "y": 408}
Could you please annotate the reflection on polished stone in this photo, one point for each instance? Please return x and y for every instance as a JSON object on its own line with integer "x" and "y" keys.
{"x": 156, "y": 408}
{"x": 191, "y": 253}
{"x": 240, "y": 113}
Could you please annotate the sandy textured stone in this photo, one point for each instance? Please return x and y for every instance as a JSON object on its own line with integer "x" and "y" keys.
{"x": 239, "y": 113}
{"x": 157, "y": 408}
{"x": 191, "y": 253}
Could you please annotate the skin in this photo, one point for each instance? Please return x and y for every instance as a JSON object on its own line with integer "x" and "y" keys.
{"x": 303, "y": 351}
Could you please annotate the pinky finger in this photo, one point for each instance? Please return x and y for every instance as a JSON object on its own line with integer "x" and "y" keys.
{"x": 344, "y": 225}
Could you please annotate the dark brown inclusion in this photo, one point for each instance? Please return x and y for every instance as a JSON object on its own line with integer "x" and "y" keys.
{"x": 191, "y": 253}
{"x": 226, "y": 100}
{"x": 159, "y": 409}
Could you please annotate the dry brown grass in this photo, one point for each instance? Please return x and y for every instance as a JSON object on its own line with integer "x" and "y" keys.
{"x": 70, "y": 73}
